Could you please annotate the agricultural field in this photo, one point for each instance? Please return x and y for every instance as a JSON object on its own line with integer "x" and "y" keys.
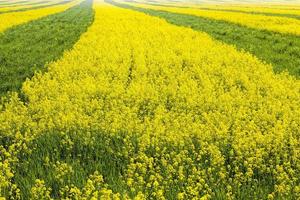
{"x": 148, "y": 99}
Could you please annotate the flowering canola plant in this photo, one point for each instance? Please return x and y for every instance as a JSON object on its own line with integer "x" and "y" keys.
{"x": 194, "y": 118}
{"x": 283, "y": 25}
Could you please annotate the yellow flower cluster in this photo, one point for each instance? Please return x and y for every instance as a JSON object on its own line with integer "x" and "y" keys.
{"x": 62, "y": 170}
{"x": 94, "y": 189}
{"x": 283, "y": 25}
{"x": 39, "y": 191}
{"x": 197, "y": 118}
{"x": 15, "y": 18}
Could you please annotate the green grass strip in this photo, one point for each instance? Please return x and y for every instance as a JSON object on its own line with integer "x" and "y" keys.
{"x": 37, "y": 7}
{"x": 28, "y": 47}
{"x": 282, "y": 51}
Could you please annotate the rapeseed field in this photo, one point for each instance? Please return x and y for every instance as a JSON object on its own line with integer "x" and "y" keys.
{"x": 126, "y": 100}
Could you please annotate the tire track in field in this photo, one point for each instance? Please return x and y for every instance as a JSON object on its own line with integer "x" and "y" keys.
{"x": 280, "y": 50}
{"x": 26, "y": 48}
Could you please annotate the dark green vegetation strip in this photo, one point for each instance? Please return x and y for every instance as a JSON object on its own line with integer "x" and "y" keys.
{"x": 37, "y": 7}
{"x": 28, "y": 47}
{"x": 280, "y": 50}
